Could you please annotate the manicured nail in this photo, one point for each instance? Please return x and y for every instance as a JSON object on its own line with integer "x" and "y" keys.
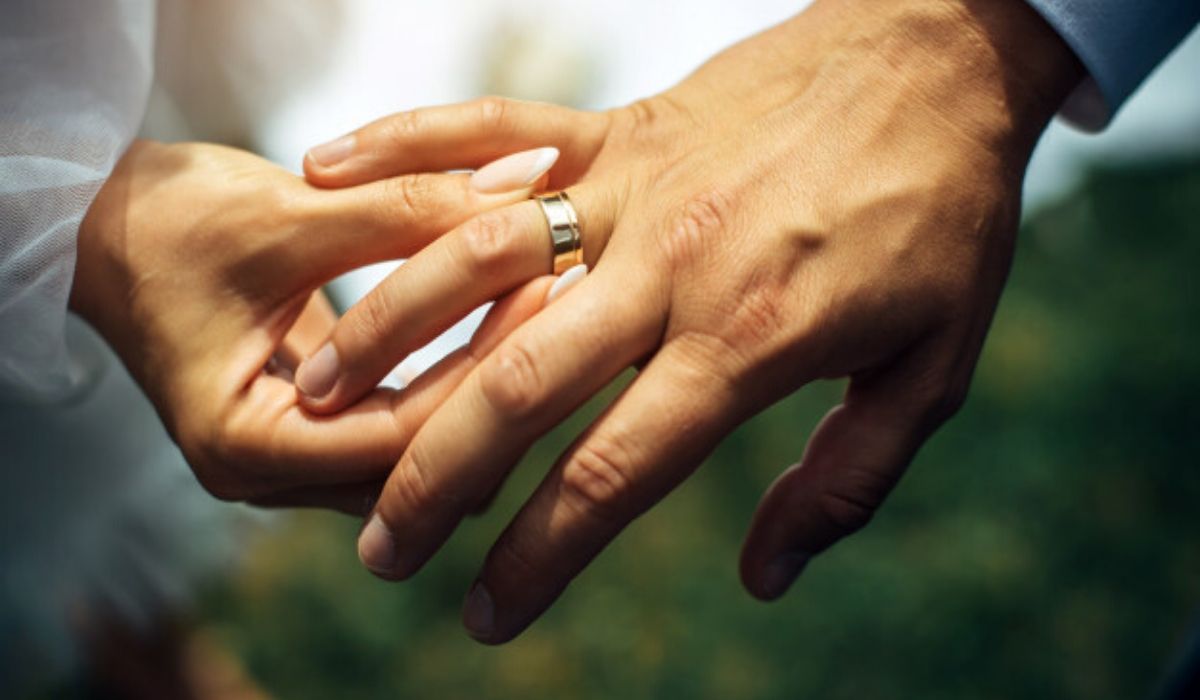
{"x": 317, "y": 375}
{"x": 479, "y": 615}
{"x": 330, "y": 154}
{"x": 779, "y": 574}
{"x": 565, "y": 281}
{"x": 377, "y": 547}
{"x": 515, "y": 171}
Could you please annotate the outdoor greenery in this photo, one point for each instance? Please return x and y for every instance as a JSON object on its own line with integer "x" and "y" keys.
{"x": 1044, "y": 544}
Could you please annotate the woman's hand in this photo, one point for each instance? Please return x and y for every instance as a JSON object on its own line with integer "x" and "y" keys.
{"x": 836, "y": 197}
{"x": 200, "y": 264}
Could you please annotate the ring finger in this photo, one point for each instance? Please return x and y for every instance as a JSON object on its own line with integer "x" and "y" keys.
{"x": 475, "y": 263}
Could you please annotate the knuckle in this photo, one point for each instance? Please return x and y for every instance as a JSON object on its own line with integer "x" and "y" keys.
{"x": 850, "y": 499}
{"x": 514, "y": 555}
{"x": 847, "y": 506}
{"x": 596, "y": 476}
{"x": 404, "y": 128}
{"x": 757, "y": 319}
{"x": 715, "y": 357}
{"x": 697, "y": 222}
{"x": 409, "y": 195}
{"x": 411, "y": 486}
{"x": 643, "y": 113}
{"x": 493, "y": 113}
{"x": 511, "y": 382}
{"x": 489, "y": 243}
{"x": 654, "y": 114}
{"x": 371, "y": 319}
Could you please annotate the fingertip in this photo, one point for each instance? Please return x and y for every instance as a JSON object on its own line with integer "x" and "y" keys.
{"x": 324, "y": 384}
{"x": 779, "y": 575}
{"x": 377, "y": 548}
{"x": 324, "y": 164}
{"x": 507, "y": 597}
{"x": 479, "y": 613}
{"x": 337, "y": 398}
{"x": 542, "y": 284}
{"x": 318, "y": 374}
{"x": 767, "y": 577}
{"x": 771, "y": 557}
{"x": 314, "y": 173}
{"x": 569, "y": 278}
{"x": 541, "y": 183}
{"x": 319, "y": 381}
{"x": 330, "y": 178}
{"x": 748, "y": 569}
{"x": 517, "y": 172}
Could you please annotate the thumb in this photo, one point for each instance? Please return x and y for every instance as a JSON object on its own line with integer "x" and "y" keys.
{"x": 853, "y": 460}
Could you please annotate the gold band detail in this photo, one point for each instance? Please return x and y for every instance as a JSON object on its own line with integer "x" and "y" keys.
{"x": 565, "y": 240}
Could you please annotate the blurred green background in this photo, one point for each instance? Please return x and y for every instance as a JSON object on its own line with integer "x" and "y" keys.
{"x": 1044, "y": 544}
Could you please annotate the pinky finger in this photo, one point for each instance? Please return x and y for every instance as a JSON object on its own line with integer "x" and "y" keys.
{"x": 853, "y": 460}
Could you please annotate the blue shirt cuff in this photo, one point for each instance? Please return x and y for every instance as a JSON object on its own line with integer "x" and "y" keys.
{"x": 1119, "y": 42}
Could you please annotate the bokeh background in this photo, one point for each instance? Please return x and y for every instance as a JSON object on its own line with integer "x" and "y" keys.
{"x": 1044, "y": 544}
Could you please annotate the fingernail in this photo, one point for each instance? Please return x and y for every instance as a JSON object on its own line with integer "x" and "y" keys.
{"x": 317, "y": 375}
{"x": 565, "y": 281}
{"x": 479, "y": 615}
{"x": 377, "y": 547}
{"x": 515, "y": 171}
{"x": 330, "y": 154}
{"x": 780, "y": 573}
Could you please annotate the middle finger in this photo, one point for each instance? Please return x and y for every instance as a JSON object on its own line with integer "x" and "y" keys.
{"x": 532, "y": 381}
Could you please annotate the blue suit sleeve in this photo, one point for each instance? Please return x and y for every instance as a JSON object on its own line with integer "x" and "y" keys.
{"x": 1119, "y": 42}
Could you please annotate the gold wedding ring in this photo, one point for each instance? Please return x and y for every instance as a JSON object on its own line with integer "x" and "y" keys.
{"x": 564, "y": 230}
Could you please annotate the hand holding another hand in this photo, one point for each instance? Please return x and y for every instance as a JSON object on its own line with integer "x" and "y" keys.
{"x": 837, "y": 197}
{"x": 200, "y": 265}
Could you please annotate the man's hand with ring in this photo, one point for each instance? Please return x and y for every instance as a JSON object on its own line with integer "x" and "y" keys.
{"x": 836, "y": 197}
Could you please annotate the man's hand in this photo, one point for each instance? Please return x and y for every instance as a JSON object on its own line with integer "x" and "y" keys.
{"x": 836, "y": 197}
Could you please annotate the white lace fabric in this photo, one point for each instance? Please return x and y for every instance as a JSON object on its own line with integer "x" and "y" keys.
{"x": 74, "y": 80}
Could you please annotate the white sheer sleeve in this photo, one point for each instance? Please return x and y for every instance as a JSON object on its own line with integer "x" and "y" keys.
{"x": 74, "y": 79}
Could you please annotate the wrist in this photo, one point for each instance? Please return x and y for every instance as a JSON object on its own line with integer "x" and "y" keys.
{"x": 996, "y": 68}
{"x": 86, "y": 282}
{"x": 91, "y": 283}
{"x": 994, "y": 71}
{"x": 100, "y": 285}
